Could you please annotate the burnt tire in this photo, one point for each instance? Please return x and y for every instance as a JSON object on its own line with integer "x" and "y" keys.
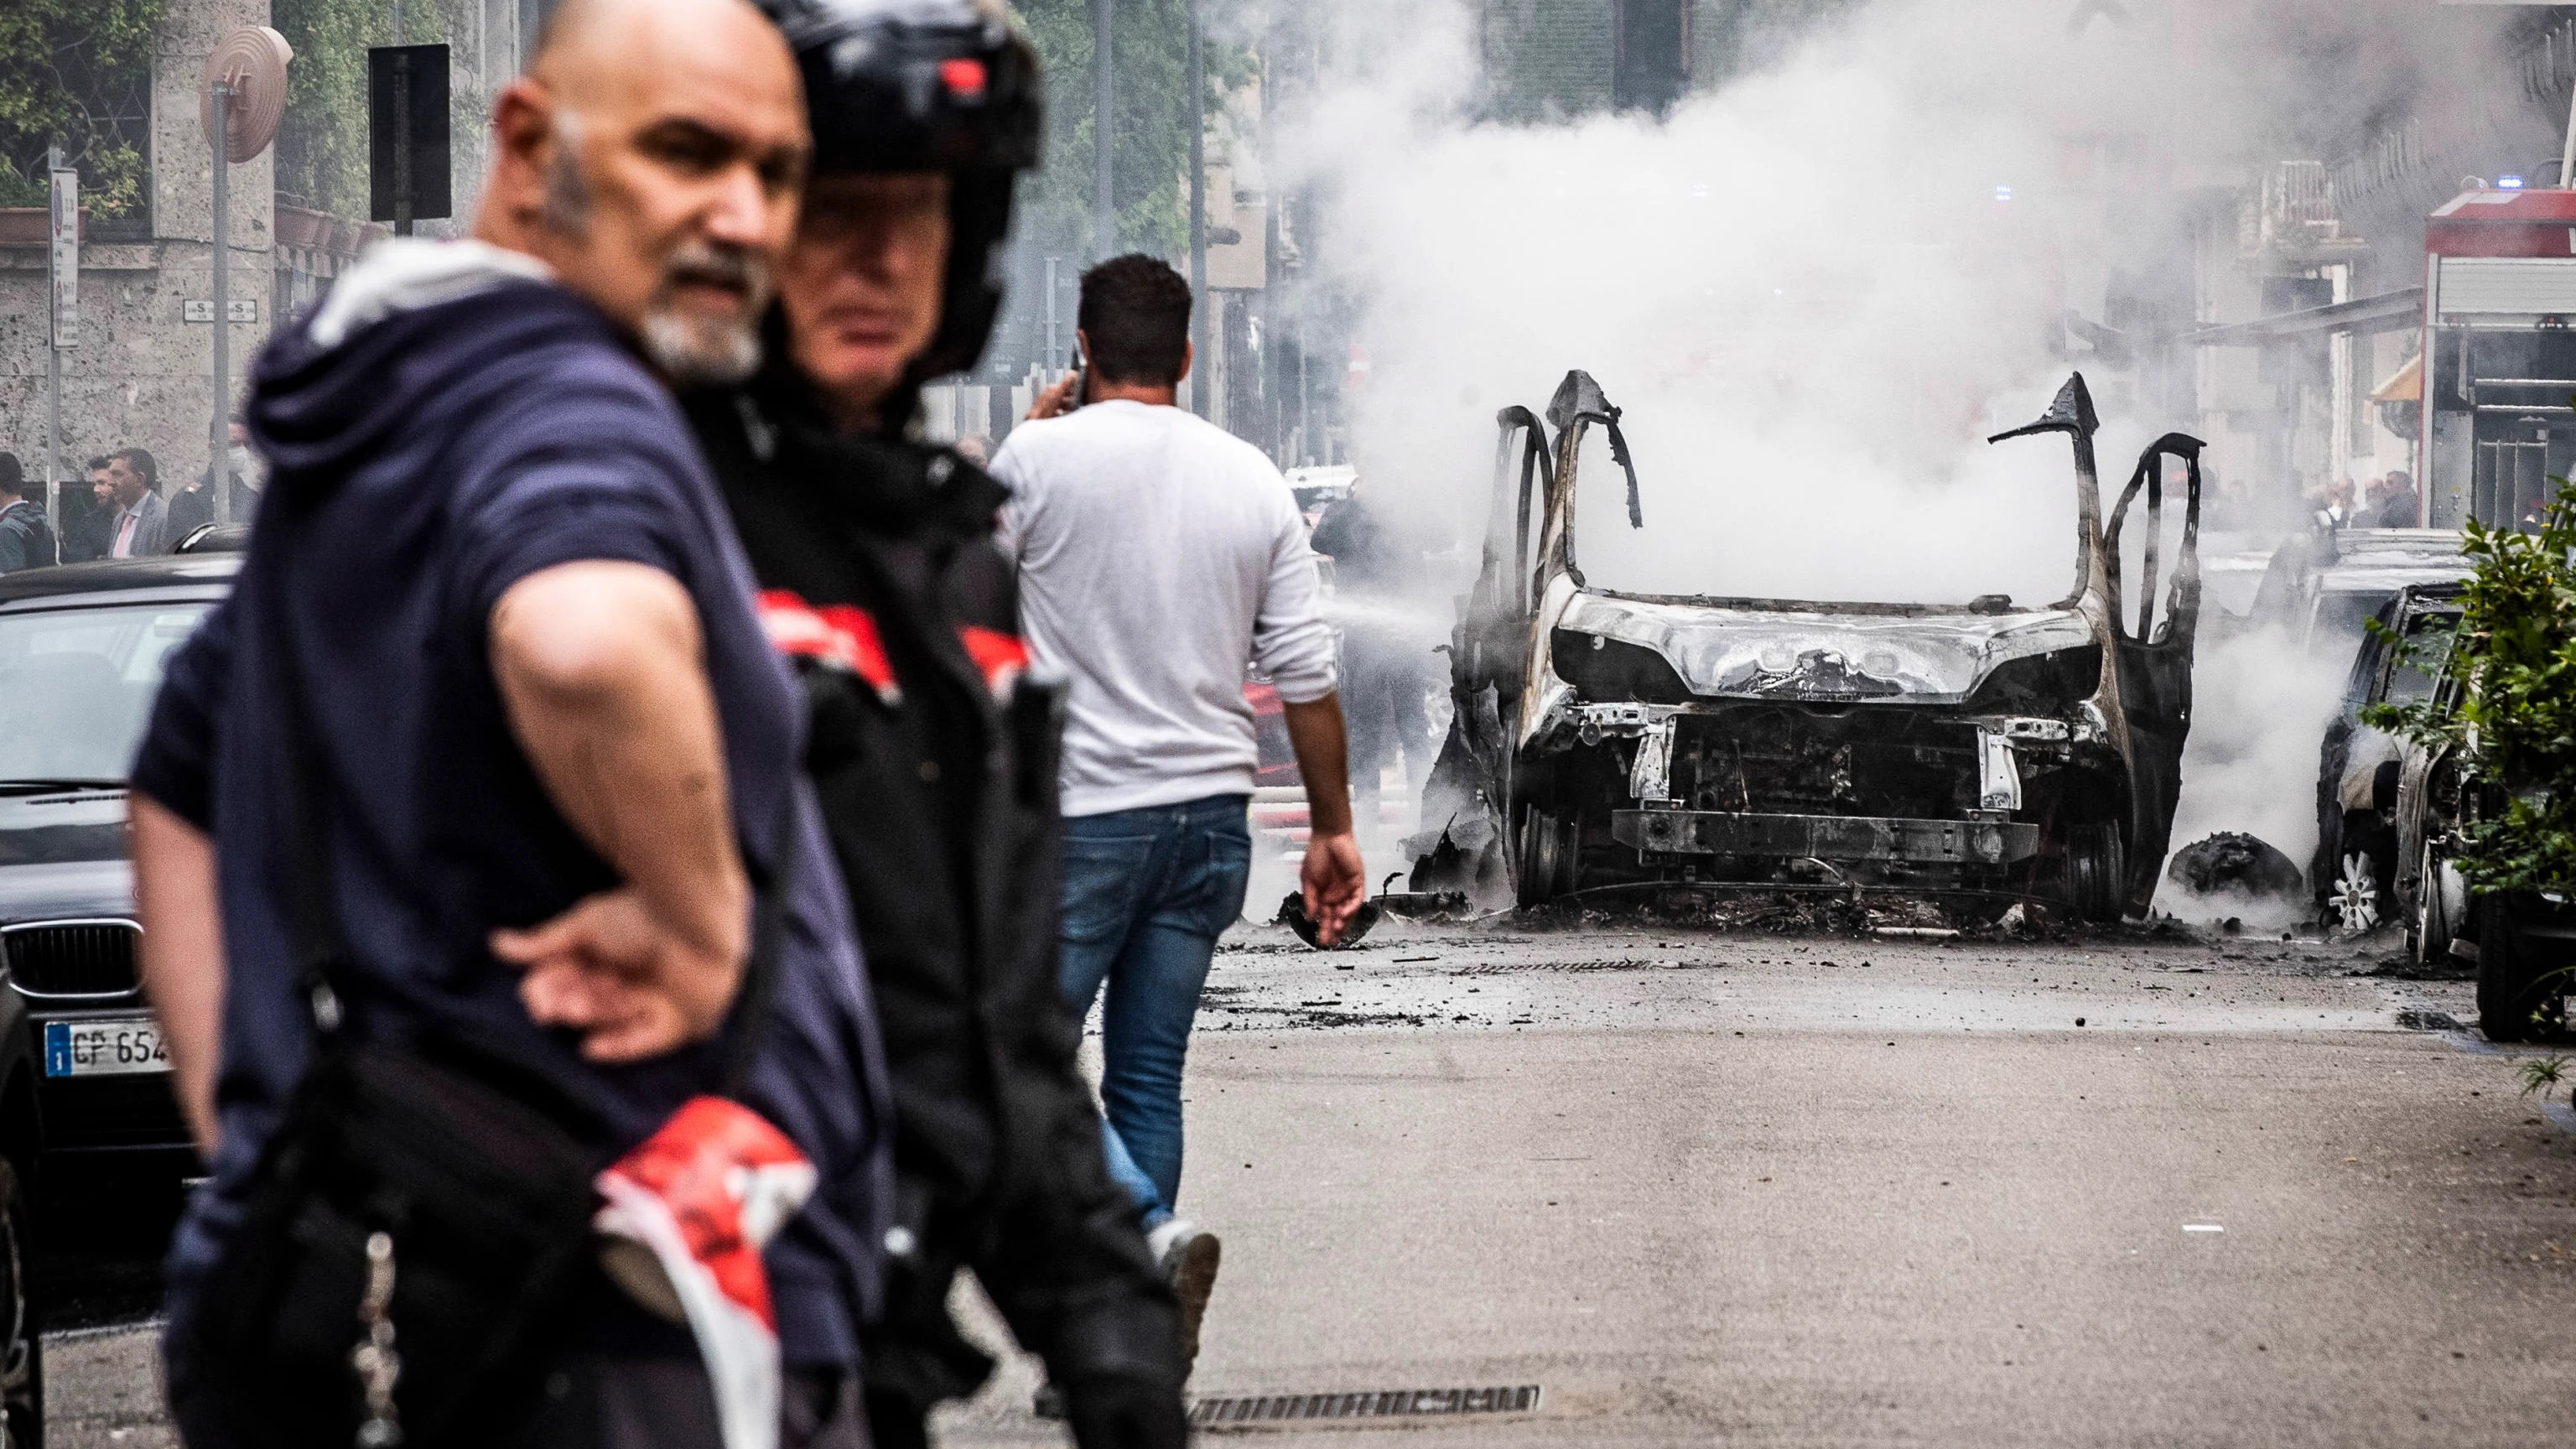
{"x": 2520, "y": 998}
{"x": 1547, "y": 847}
{"x": 2097, "y": 878}
{"x": 22, "y": 1353}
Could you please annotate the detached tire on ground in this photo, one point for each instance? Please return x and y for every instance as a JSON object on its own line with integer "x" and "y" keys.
{"x": 2518, "y": 996}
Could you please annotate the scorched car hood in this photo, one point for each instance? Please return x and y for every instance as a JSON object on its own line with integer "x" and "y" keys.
{"x": 1781, "y": 649}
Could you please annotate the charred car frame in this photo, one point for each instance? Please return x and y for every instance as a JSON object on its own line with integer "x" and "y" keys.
{"x": 1986, "y": 752}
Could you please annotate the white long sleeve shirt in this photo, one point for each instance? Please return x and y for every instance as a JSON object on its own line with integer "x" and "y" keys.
{"x": 1158, "y": 555}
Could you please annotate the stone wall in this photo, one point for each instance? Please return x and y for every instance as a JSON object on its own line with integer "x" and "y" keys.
{"x": 142, "y": 375}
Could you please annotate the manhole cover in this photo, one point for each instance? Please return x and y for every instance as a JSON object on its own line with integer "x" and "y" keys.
{"x": 1378, "y": 1404}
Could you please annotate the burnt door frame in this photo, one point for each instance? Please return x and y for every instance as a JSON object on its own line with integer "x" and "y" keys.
{"x": 2154, "y": 655}
{"x": 1488, "y": 657}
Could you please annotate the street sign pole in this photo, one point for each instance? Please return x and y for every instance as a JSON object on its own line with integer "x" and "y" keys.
{"x": 1104, "y": 211}
{"x": 1047, "y": 363}
{"x": 62, "y": 269}
{"x": 1200, "y": 402}
{"x": 54, "y": 446}
{"x": 216, "y": 476}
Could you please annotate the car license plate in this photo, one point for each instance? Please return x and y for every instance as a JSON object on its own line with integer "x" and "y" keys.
{"x": 110, "y": 1047}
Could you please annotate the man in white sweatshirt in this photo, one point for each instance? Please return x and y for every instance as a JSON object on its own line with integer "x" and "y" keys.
{"x": 1159, "y": 555}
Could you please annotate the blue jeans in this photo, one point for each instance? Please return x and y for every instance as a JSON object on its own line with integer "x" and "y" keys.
{"x": 1146, "y": 894}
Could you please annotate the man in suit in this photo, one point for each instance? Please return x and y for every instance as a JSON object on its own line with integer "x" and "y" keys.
{"x": 88, "y": 511}
{"x": 140, "y": 526}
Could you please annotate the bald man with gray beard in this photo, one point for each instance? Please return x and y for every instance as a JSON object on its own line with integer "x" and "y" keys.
{"x": 486, "y": 762}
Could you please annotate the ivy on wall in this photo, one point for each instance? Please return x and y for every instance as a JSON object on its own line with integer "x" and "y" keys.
{"x": 78, "y": 73}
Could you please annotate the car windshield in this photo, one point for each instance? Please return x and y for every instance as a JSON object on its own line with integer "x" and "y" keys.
{"x": 1819, "y": 523}
{"x": 76, "y": 686}
{"x": 2341, "y": 616}
{"x": 2419, "y": 665}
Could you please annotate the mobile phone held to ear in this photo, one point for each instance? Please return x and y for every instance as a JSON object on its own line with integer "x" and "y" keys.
{"x": 1081, "y": 378}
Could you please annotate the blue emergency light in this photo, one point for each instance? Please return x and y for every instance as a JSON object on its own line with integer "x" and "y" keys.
{"x": 2508, "y": 183}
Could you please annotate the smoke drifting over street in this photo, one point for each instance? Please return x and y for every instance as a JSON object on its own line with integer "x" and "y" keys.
{"x": 1816, "y": 289}
{"x": 1814, "y": 292}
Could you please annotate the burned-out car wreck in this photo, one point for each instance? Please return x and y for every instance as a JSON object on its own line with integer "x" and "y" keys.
{"x": 1982, "y": 753}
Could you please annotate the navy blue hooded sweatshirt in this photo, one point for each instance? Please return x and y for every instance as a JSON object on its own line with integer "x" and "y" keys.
{"x": 446, "y": 425}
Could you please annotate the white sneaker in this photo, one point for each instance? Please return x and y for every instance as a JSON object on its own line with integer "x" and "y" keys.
{"x": 1188, "y": 1255}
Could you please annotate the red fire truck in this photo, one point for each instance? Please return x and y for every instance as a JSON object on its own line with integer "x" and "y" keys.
{"x": 2499, "y": 399}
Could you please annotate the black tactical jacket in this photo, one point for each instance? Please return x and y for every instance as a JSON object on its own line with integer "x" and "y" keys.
{"x": 934, "y": 753}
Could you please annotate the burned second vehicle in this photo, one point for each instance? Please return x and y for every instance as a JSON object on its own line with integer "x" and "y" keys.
{"x": 1986, "y": 752}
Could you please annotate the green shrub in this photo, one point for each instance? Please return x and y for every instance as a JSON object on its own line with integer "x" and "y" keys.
{"x": 2515, "y": 724}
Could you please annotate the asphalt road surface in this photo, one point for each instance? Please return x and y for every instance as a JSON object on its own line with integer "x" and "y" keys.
{"x": 1822, "y": 1190}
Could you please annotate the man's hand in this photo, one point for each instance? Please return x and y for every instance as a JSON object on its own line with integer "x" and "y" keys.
{"x": 633, "y": 987}
{"x": 1054, "y": 400}
{"x": 1335, "y": 881}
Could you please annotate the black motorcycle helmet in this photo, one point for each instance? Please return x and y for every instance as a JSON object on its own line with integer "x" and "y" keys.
{"x": 927, "y": 85}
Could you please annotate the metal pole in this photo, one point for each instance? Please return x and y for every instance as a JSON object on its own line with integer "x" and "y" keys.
{"x": 1104, "y": 218}
{"x": 1198, "y": 219}
{"x": 2567, "y": 157}
{"x": 1274, "y": 332}
{"x": 54, "y": 370}
{"x": 1047, "y": 364}
{"x": 54, "y": 446}
{"x": 216, "y": 475}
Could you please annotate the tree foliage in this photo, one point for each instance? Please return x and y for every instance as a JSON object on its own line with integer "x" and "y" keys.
{"x": 1149, "y": 121}
{"x": 77, "y": 73}
{"x": 322, "y": 140}
{"x": 2515, "y": 721}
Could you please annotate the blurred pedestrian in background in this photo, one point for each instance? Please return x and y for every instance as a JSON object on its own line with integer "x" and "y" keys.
{"x": 198, "y": 504}
{"x": 2404, "y": 506}
{"x": 1159, "y": 554}
{"x": 932, "y": 748}
{"x": 1385, "y": 655}
{"x": 89, "y": 515}
{"x": 489, "y": 715}
{"x": 26, "y": 541}
{"x": 140, "y": 526}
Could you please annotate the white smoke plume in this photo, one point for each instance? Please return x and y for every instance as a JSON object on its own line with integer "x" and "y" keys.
{"x": 1814, "y": 291}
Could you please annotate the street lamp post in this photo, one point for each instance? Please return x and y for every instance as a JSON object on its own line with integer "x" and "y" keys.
{"x": 1104, "y": 213}
{"x": 62, "y": 268}
{"x": 218, "y": 477}
{"x": 1198, "y": 218}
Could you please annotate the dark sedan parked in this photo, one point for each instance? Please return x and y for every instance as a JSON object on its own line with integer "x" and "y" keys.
{"x": 81, "y": 655}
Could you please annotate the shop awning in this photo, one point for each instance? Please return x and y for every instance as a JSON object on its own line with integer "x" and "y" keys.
{"x": 2406, "y": 384}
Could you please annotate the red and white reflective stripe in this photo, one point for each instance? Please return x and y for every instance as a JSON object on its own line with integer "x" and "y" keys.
{"x": 1003, "y": 658}
{"x": 703, "y": 1195}
{"x": 836, "y": 635}
{"x": 844, "y": 637}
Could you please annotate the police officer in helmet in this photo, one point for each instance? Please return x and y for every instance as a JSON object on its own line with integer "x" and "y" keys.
{"x": 933, "y": 754}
